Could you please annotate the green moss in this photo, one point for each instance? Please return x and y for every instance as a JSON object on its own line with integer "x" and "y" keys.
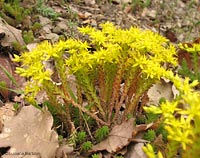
{"x": 28, "y": 36}
{"x": 81, "y": 136}
{"x": 36, "y": 26}
{"x": 86, "y": 146}
{"x": 101, "y": 133}
{"x": 45, "y": 10}
{"x": 161, "y": 130}
{"x": 14, "y": 10}
{"x": 151, "y": 117}
{"x": 96, "y": 156}
{"x": 150, "y": 135}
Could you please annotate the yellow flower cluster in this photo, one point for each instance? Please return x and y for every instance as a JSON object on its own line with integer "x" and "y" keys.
{"x": 33, "y": 66}
{"x": 139, "y": 48}
{"x": 148, "y": 149}
{"x": 145, "y": 49}
{"x": 181, "y": 116}
{"x": 195, "y": 48}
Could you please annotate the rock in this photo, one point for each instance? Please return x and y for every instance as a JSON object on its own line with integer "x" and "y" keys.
{"x": 149, "y": 13}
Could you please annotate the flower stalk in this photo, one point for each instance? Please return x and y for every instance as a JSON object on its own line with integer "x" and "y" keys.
{"x": 134, "y": 58}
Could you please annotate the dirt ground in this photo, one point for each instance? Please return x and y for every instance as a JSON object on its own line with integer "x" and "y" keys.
{"x": 178, "y": 20}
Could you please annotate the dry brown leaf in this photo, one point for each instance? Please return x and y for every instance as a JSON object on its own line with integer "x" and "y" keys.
{"x": 175, "y": 91}
{"x": 118, "y": 138}
{"x": 5, "y": 63}
{"x": 144, "y": 127}
{"x": 135, "y": 151}
{"x": 160, "y": 144}
{"x": 170, "y": 34}
{"x": 128, "y": 9}
{"x": 29, "y": 133}
{"x": 160, "y": 90}
{"x": 6, "y": 113}
{"x": 84, "y": 16}
{"x": 12, "y": 35}
{"x": 64, "y": 150}
{"x": 31, "y": 46}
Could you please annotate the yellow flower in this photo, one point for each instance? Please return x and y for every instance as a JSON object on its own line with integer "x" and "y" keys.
{"x": 42, "y": 76}
{"x": 149, "y": 151}
{"x": 194, "y": 49}
{"x": 16, "y": 58}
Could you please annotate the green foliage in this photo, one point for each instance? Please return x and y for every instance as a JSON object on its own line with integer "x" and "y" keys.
{"x": 119, "y": 156}
{"x": 102, "y": 133}
{"x": 192, "y": 73}
{"x": 187, "y": 72}
{"x": 36, "y": 26}
{"x": 28, "y": 36}
{"x": 14, "y": 9}
{"x": 151, "y": 117}
{"x": 54, "y": 111}
{"x": 17, "y": 46}
{"x": 50, "y": 107}
{"x": 140, "y": 4}
{"x": 161, "y": 130}
{"x": 60, "y": 138}
{"x": 86, "y": 146}
{"x": 71, "y": 14}
{"x": 81, "y": 136}
{"x": 16, "y": 106}
{"x": 4, "y": 86}
{"x": 72, "y": 138}
{"x": 96, "y": 156}
{"x": 72, "y": 24}
{"x": 45, "y": 10}
{"x": 8, "y": 74}
{"x": 140, "y": 120}
{"x": 150, "y": 135}
{"x": 162, "y": 99}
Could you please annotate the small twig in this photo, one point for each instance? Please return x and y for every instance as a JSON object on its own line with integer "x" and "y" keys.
{"x": 86, "y": 111}
{"x": 88, "y": 129}
{"x": 115, "y": 90}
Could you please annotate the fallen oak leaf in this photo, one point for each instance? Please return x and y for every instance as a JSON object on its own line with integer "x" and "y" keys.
{"x": 135, "y": 150}
{"x": 118, "y": 138}
{"x": 11, "y": 34}
{"x": 10, "y": 82}
{"x": 121, "y": 136}
{"x": 160, "y": 90}
{"x": 7, "y": 112}
{"x": 5, "y": 64}
{"x": 29, "y": 133}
